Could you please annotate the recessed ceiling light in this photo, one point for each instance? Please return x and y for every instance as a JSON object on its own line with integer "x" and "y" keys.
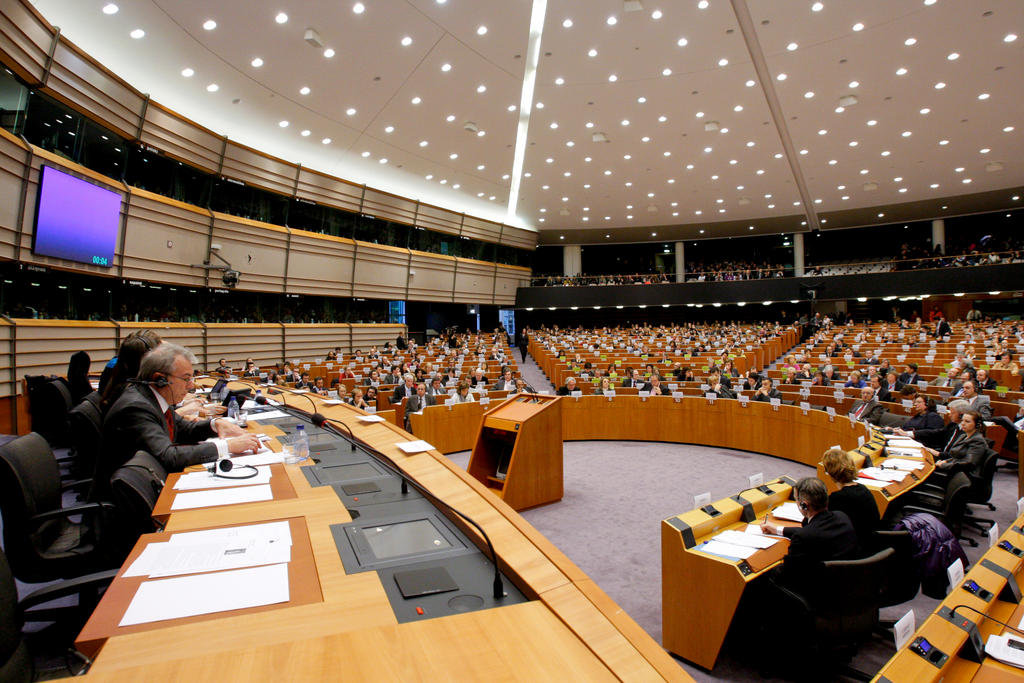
{"x": 326, "y": 141}
{"x": 778, "y": 155}
{"x": 406, "y": 41}
{"x": 539, "y": 105}
{"x": 282, "y": 124}
{"x": 854, "y": 84}
{"x": 933, "y": 185}
{"x": 858, "y": 26}
{"x": 328, "y": 52}
{"x": 1010, "y": 37}
{"x": 281, "y": 18}
{"x": 881, "y": 215}
{"x": 481, "y": 88}
{"x": 959, "y": 169}
{"x": 817, "y": 7}
{"x": 902, "y": 71}
{"x": 213, "y": 87}
{"x": 481, "y": 30}
{"x": 792, "y": 46}
{"x": 446, "y": 67}
{"x": 416, "y": 100}
{"x": 666, "y": 72}
{"x": 682, "y": 42}
{"x": 723, "y": 62}
{"x": 853, "y": 143}
{"x": 256, "y": 62}
{"x": 910, "y": 41}
{"x": 453, "y": 156}
{"x": 703, "y": 4}
{"x": 358, "y": 8}
{"x": 662, "y": 119}
{"x": 886, "y": 152}
{"x": 809, "y": 94}
{"x": 625, "y": 122}
{"x": 984, "y": 150}
{"x": 781, "y": 77}
{"x": 906, "y": 133}
{"x": 656, "y": 14}
{"x": 1008, "y": 129}
{"x": 925, "y": 110}
{"x": 612, "y": 78}
{"x": 983, "y": 96}
{"x": 760, "y": 171}
{"x": 966, "y": 181}
{"x": 738, "y": 108}
{"x": 872, "y": 122}
{"x": 863, "y": 171}
{"x": 930, "y": 2}
{"x": 940, "y": 85}
{"x": 450, "y": 118}
{"x": 612, "y": 20}
{"x": 209, "y": 24}
{"x": 943, "y": 142}
{"x": 110, "y": 8}
{"x": 352, "y": 112}
{"x": 384, "y": 160}
{"x": 304, "y": 90}
{"x": 750, "y": 83}
{"x": 953, "y": 56}
{"x": 822, "y": 132}
{"x": 305, "y": 133}
{"x": 559, "y": 81}
{"x": 187, "y": 72}
{"x": 567, "y": 23}
{"x": 137, "y": 34}
{"x": 591, "y": 52}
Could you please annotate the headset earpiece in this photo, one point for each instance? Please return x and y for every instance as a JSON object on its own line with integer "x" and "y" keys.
{"x": 160, "y": 382}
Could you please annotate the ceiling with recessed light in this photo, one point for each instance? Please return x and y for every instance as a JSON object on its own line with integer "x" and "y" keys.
{"x": 615, "y": 120}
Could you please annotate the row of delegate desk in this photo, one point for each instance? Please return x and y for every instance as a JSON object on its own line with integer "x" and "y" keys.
{"x": 343, "y": 623}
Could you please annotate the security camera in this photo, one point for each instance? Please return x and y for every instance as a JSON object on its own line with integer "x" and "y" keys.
{"x": 230, "y": 278}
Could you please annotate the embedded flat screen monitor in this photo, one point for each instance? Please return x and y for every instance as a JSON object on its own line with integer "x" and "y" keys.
{"x": 404, "y": 538}
{"x": 76, "y": 220}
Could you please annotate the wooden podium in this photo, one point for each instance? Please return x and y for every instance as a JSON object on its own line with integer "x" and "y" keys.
{"x": 518, "y": 451}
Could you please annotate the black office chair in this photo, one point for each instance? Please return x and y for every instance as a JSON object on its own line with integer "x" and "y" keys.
{"x": 41, "y": 541}
{"x": 86, "y": 423}
{"x": 16, "y": 661}
{"x": 981, "y": 493}
{"x": 834, "y": 623}
{"x": 49, "y": 403}
{"x": 134, "y": 489}
{"x": 950, "y": 507}
{"x": 904, "y": 572}
{"x": 892, "y": 419}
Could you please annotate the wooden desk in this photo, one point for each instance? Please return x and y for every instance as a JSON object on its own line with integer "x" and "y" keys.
{"x": 280, "y": 487}
{"x": 449, "y": 429}
{"x": 884, "y": 494}
{"x": 569, "y": 628}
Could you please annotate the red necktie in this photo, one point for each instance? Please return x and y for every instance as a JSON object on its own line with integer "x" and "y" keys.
{"x": 861, "y": 410}
{"x": 169, "y": 418}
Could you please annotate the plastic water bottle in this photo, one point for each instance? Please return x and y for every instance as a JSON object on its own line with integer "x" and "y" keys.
{"x": 301, "y": 443}
{"x": 233, "y": 408}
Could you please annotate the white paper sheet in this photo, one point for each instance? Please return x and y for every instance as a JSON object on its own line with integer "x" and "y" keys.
{"x": 371, "y": 418}
{"x": 870, "y": 482}
{"x": 270, "y": 532}
{"x": 415, "y": 446}
{"x": 903, "y": 443}
{"x": 332, "y": 402}
{"x": 215, "y": 497}
{"x": 882, "y": 475}
{"x": 269, "y": 415}
{"x": 175, "y": 559}
{"x": 749, "y": 540}
{"x": 193, "y": 481}
{"x": 188, "y": 596}
{"x": 264, "y": 457}
{"x": 715, "y": 547}
{"x": 901, "y": 464}
{"x": 788, "y": 511}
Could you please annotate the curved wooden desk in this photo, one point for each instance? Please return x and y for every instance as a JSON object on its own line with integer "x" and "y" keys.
{"x": 570, "y": 628}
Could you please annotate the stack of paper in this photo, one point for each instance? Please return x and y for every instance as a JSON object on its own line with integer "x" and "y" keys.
{"x": 214, "y": 550}
{"x": 269, "y": 415}
{"x": 411, "y": 447}
{"x": 903, "y": 443}
{"x": 901, "y": 464}
{"x": 204, "y": 480}
{"x": 789, "y": 511}
{"x": 735, "y": 537}
{"x": 905, "y": 452}
{"x": 879, "y": 474}
{"x": 265, "y": 456}
{"x": 215, "y": 497}
{"x": 370, "y": 418}
{"x": 729, "y": 550}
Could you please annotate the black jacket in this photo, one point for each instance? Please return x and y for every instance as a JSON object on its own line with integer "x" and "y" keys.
{"x": 827, "y": 536}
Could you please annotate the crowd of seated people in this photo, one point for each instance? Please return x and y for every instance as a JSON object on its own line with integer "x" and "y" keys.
{"x": 585, "y": 280}
{"x": 726, "y": 271}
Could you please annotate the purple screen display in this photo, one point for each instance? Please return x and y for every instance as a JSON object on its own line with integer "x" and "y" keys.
{"x": 76, "y": 220}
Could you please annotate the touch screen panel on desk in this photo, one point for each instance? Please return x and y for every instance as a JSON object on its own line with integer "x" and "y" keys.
{"x": 404, "y": 538}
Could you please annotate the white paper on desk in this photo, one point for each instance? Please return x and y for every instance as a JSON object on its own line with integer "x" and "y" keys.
{"x": 332, "y": 402}
{"x": 998, "y": 647}
{"x": 188, "y": 596}
{"x": 250, "y": 404}
{"x": 754, "y": 529}
{"x": 193, "y": 481}
{"x": 270, "y": 532}
{"x": 870, "y": 482}
{"x": 882, "y": 475}
{"x": 269, "y": 415}
{"x": 214, "y": 497}
{"x": 415, "y": 446}
{"x": 299, "y": 391}
{"x": 370, "y": 418}
{"x": 264, "y": 456}
{"x": 901, "y": 464}
{"x": 789, "y": 511}
{"x": 903, "y": 443}
{"x": 716, "y": 547}
{"x": 175, "y": 559}
{"x": 904, "y": 452}
{"x": 750, "y": 540}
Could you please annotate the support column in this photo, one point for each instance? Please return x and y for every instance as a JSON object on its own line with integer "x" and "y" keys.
{"x": 572, "y": 260}
{"x": 680, "y": 263}
{"x": 939, "y": 234}
{"x": 798, "y": 254}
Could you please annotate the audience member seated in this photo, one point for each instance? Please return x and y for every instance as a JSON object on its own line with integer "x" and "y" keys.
{"x": 655, "y": 386}
{"x": 975, "y": 401}
{"x": 304, "y": 382}
{"x": 923, "y": 416}
{"x": 357, "y": 399}
{"x": 523, "y": 387}
{"x": 78, "y": 376}
{"x": 463, "y": 394}
{"x": 867, "y": 407}
{"x": 478, "y": 377}
{"x": 909, "y": 374}
{"x": 143, "y": 419}
{"x": 984, "y": 381}
{"x": 506, "y": 383}
{"x": 318, "y": 387}
{"x": 852, "y": 498}
{"x": 966, "y": 451}
{"x": 223, "y": 368}
{"x": 407, "y": 388}
{"x": 767, "y": 391}
{"x": 570, "y": 386}
{"x": 126, "y": 366}
{"x": 855, "y": 380}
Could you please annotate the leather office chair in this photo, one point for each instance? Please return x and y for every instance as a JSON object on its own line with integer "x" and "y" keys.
{"x": 949, "y": 508}
{"x": 134, "y": 489}
{"x": 49, "y": 403}
{"x": 981, "y": 492}
{"x": 904, "y": 573}
{"x": 86, "y": 423}
{"x": 835, "y": 622}
{"x": 41, "y": 541}
{"x": 16, "y": 661}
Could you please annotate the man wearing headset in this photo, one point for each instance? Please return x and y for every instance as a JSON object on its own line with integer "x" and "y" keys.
{"x": 143, "y": 418}
{"x": 824, "y": 535}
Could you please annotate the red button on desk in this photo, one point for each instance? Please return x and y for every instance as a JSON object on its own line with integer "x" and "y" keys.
{"x": 419, "y": 610}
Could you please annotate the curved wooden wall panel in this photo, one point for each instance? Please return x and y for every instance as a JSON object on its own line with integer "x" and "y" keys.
{"x": 255, "y": 168}
{"x": 320, "y": 264}
{"x": 518, "y": 237}
{"x": 389, "y": 206}
{"x": 8, "y": 380}
{"x": 366, "y": 335}
{"x": 434, "y": 277}
{"x": 323, "y": 189}
{"x": 256, "y": 250}
{"x": 474, "y": 281}
{"x": 480, "y": 229}
{"x": 180, "y": 138}
{"x": 381, "y": 271}
{"x": 190, "y": 335}
{"x": 506, "y": 280}
{"x": 43, "y": 347}
{"x": 163, "y": 239}
{"x": 439, "y": 220}
{"x": 261, "y": 342}
{"x": 25, "y": 40}
{"x": 307, "y": 342}
{"x": 13, "y": 155}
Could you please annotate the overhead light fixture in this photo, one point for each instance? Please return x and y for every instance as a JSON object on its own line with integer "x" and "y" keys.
{"x": 847, "y": 100}
{"x": 599, "y": 137}
{"x": 711, "y": 126}
{"x": 313, "y": 38}
{"x": 632, "y": 6}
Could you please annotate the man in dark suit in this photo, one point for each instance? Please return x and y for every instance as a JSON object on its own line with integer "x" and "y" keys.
{"x": 656, "y": 387}
{"x": 867, "y": 407}
{"x": 143, "y": 418}
{"x": 909, "y": 375}
{"x": 975, "y": 401}
{"x": 881, "y": 392}
{"x": 942, "y": 328}
{"x": 634, "y": 381}
{"x": 417, "y": 402}
{"x": 570, "y": 386}
{"x": 984, "y": 381}
{"x": 822, "y": 536}
{"x": 408, "y": 388}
